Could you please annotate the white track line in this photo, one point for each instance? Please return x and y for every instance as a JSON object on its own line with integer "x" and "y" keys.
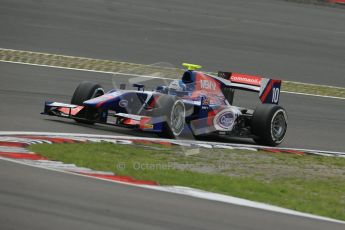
{"x": 153, "y": 77}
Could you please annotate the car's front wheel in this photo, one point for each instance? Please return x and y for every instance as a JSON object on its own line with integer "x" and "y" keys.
{"x": 85, "y": 91}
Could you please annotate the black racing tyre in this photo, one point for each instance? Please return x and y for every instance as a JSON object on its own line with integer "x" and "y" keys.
{"x": 85, "y": 91}
{"x": 173, "y": 112}
{"x": 269, "y": 124}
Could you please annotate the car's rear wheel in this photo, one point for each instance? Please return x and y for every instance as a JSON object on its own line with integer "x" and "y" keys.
{"x": 85, "y": 91}
{"x": 269, "y": 124}
{"x": 172, "y": 111}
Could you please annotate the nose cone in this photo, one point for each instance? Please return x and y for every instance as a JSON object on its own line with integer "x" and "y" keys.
{"x": 98, "y": 101}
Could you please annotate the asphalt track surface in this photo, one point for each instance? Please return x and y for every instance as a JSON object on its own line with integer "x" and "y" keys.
{"x": 275, "y": 38}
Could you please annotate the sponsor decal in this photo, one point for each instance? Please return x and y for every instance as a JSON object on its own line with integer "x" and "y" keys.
{"x": 245, "y": 79}
{"x": 123, "y": 103}
{"x": 205, "y": 101}
{"x": 209, "y": 85}
{"x": 225, "y": 120}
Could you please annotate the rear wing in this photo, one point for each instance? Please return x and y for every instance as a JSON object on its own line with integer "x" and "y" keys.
{"x": 268, "y": 89}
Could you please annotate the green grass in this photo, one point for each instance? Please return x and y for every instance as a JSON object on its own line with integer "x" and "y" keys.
{"x": 324, "y": 90}
{"x": 310, "y": 184}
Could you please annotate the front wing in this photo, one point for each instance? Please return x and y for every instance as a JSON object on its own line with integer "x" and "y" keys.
{"x": 70, "y": 111}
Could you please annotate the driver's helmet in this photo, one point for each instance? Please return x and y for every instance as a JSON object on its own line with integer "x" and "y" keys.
{"x": 177, "y": 85}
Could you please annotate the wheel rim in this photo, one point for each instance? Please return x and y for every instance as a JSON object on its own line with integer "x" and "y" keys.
{"x": 278, "y": 126}
{"x": 177, "y": 118}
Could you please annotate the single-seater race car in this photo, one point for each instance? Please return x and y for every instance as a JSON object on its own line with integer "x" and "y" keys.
{"x": 199, "y": 103}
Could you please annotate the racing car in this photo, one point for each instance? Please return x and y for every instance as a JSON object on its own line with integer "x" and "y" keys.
{"x": 199, "y": 103}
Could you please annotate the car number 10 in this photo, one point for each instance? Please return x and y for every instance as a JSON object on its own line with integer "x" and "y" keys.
{"x": 275, "y": 96}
